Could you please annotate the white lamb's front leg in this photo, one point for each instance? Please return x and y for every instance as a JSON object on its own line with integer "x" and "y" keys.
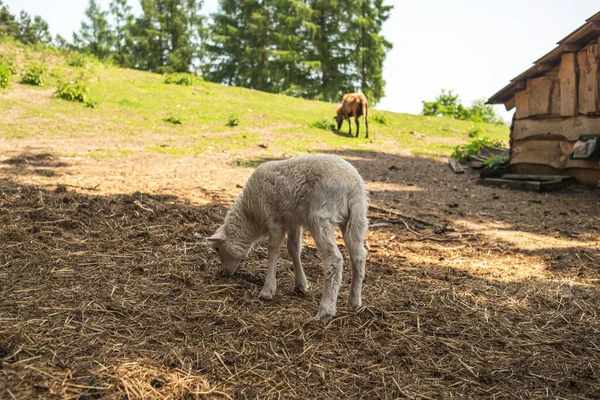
{"x": 270, "y": 286}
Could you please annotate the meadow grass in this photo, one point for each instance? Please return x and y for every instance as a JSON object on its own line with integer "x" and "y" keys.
{"x": 136, "y": 103}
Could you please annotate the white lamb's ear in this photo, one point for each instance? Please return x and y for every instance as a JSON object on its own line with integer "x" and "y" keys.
{"x": 217, "y": 237}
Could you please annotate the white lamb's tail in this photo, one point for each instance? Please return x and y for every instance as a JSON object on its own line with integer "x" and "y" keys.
{"x": 355, "y": 231}
{"x": 357, "y": 224}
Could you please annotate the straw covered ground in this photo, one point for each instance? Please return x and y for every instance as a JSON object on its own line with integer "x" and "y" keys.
{"x": 109, "y": 291}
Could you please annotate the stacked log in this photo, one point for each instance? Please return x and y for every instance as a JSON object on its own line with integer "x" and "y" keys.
{"x": 553, "y": 111}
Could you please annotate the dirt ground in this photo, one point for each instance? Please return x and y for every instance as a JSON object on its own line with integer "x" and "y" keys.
{"x": 109, "y": 291}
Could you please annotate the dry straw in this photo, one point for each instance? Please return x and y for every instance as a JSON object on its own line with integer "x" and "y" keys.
{"x": 116, "y": 297}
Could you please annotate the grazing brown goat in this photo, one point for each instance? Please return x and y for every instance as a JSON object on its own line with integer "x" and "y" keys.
{"x": 353, "y": 105}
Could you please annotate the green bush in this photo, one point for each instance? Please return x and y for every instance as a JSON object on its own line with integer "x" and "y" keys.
{"x": 476, "y": 131}
{"x": 379, "y": 119}
{"x": 4, "y": 75}
{"x": 91, "y": 104}
{"x": 496, "y": 161}
{"x": 448, "y": 104}
{"x": 10, "y": 64}
{"x": 462, "y": 152}
{"x": 76, "y": 60}
{"x": 182, "y": 79}
{"x": 240, "y": 162}
{"x": 324, "y": 124}
{"x": 233, "y": 121}
{"x": 76, "y": 90}
{"x": 35, "y": 75}
{"x": 173, "y": 120}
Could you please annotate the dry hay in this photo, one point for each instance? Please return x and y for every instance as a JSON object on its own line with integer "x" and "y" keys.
{"x": 116, "y": 296}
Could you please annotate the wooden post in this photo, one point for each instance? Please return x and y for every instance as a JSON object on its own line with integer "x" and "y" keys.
{"x": 567, "y": 74}
{"x": 588, "y": 79}
{"x": 522, "y": 104}
{"x": 539, "y": 95}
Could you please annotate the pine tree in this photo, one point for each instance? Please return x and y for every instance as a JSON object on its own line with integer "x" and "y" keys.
{"x": 120, "y": 32}
{"x": 9, "y": 26}
{"x": 331, "y": 18}
{"x": 94, "y": 35}
{"x": 238, "y": 51}
{"x": 33, "y": 31}
{"x": 291, "y": 34}
{"x": 224, "y": 51}
{"x": 167, "y": 35}
{"x": 370, "y": 46}
{"x": 318, "y": 49}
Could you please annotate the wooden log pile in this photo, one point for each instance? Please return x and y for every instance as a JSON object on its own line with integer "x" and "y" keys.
{"x": 553, "y": 110}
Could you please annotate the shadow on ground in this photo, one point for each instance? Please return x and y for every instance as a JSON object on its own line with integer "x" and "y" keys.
{"x": 102, "y": 295}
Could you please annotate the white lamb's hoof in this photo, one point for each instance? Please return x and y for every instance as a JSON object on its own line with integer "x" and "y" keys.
{"x": 324, "y": 317}
{"x": 266, "y": 294}
{"x": 302, "y": 288}
{"x": 354, "y": 304}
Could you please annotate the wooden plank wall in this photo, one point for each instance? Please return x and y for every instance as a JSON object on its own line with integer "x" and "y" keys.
{"x": 554, "y": 110}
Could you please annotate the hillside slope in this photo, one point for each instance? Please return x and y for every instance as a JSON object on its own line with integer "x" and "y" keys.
{"x": 134, "y": 105}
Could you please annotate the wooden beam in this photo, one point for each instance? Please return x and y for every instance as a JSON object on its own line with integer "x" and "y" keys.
{"x": 532, "y": 184}
{"x": 553, "y": 153}
{"x": 555, "y": 94}
{"x": 583, "y": 175}
{"x": 522, "y": 104}
{"x": 587, "y": 60}
{"x": 571, "y": 47}
{"x": 456, "y": 167}
{"x": 567, "y": 75}
{"x": 556, "y": 128}
{"x": 539, "y": 95}
{"x": 510, "y": 104}
{"x": 529, "y": 186}
{"x": 537, "y": 69}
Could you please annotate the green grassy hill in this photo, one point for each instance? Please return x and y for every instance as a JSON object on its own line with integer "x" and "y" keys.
{"x": 135, "y": 107}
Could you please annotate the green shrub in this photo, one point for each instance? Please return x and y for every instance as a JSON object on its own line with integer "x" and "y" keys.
{"x": 10, "y": 64}
{"x": 233, "y": 121}
{"x": 462, "y": 152}
{"x": 182, "y": 79}
{"x": 76, "y": 90}
{"x": 496, "y": 161}
{"x": 167, "y": 69}
{"x": 240, "y": 162}
{"x": 91, "y": 104}
{"x": 324, "y": 124}
{"x": 476, "y": 131}
{"x": 173, "y": 120}
{"x": 4, "y": 75}
{"x": 35, "y": 75}
{"x": 379, "y": 119}
{"x": 76, "y": 60}
{"x": 449, "y": 105}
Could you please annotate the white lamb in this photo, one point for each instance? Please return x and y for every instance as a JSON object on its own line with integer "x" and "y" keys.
{"x": 318, "y": 192}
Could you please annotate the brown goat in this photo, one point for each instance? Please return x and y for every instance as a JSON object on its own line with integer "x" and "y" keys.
{"x": 353, "y": 105}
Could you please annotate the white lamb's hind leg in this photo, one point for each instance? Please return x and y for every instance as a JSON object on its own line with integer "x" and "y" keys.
{"x": 294, "y": 246}
{"x": 324, "y": 235}
{"x": 355, "y": 239}
{"x": 357, "y": 259}
{"x": 270, "y": 286}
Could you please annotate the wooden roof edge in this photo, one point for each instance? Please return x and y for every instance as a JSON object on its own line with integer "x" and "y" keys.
{"x": 505, "y": 94}
{"x": 595, "y": 17}
{"x": 570, "y": 43}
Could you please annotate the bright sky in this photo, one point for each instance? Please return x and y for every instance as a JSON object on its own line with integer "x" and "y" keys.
{"x": 473, "y": 47}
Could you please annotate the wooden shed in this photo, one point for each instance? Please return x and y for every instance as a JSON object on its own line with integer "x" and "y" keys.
{"x": 556, "y": 126}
